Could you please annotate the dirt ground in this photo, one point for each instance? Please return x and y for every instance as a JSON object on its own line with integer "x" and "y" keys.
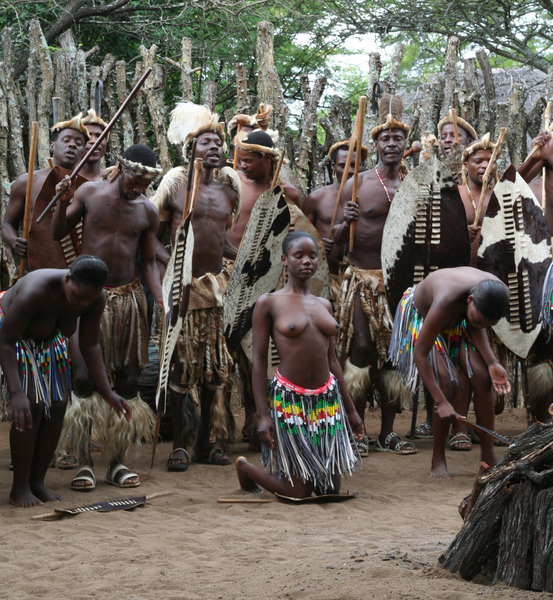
{"x": 384, "y": 544}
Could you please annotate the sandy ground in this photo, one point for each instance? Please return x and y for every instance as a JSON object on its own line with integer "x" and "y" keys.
{"x": 384, "y": 544}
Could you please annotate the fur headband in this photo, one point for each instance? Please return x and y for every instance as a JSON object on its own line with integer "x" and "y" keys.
{"x": 334, "y": 147}
{"x": 461, "y": 123}
{"x": 390, "y": 112}
{"x": 76, "y": 123}
{"x": 484, "y": 144}
{"x": 139, "y": 169}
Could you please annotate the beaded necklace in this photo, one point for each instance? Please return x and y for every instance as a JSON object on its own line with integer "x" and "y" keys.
{"x": 382, "y": 183}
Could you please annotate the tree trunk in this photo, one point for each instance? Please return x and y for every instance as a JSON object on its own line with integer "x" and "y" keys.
{"x": 489, "y": 90}
{"x": 241, "y": 88}
{"x": 471, "y": 93}
{"x": 186, "y": 69}
{"x": 115, "y": 150}
{"x": 7, "y": 45}
{"x": 61, "y": 83}
{"x": 14, "y": 119}
{"x": 139, "y": 106}
{"x": 508, "y": 531}
{"x": 371, "y": 118}
{"x": 153, "y": 88}
{"x": 451, "y": 89}
{"x": 429, "y": 108}
{"x": 122, "y": 93}
{"x": 390, "y": 81}
{"x": 44, "y": 103}
{"x": 516, "y": 134}
{"x": 209, "y": 95}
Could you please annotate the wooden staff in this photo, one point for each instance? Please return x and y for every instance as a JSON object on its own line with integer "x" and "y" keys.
{"x": 361, "y": 122}
{"x": 100, "y": 139}
{"x": 189, "y": 180}
{"x": 236, "y": 149}
{"x": 547, "y": 113}
{"x": 279, "y": 166}
{"x": 60, "y": 515}
{"x": 245, "y": 500}
{"x": 352, "y": 143}
{"x": 198, "y": 170}
{"x": 487, "y": 172}
{"x": 453, "y": 116}
{"x": 29, "y": 193}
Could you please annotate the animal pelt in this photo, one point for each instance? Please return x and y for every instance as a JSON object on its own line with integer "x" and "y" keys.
{"x": 77, "y": 428}
{"x": 358, "y": 382}
{"x": 389, "y": 384}
{"x": 540, "y": 383}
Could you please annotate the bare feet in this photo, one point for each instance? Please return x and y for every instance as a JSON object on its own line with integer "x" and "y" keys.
{"x": 439, "y": 470}
{"x": 23, "y": 498}
{"x": 44, "y": 494}
{"x": 246, "y": 483}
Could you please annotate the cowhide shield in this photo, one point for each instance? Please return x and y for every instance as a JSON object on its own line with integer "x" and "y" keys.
{"x": 515, "y": 246}
{"x": 453, "y": 162}
{"x": 426, "y": 229}
{"x": 176, "y": 293}
{"x": 44, "y": 252}
{"x": 258, "y": 267}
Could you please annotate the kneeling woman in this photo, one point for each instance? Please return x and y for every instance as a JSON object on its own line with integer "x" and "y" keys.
{"x": 304, "y": 426}
{"x": 37, "y": 315}
{"x": 440, "y": 332}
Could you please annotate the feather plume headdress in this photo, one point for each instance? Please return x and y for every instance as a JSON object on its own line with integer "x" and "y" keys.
{"x": 75, "y": 123}
{"x": 188, "y": 121}
{"x": 390, "y": 112}
{"x": 461, "y": 123}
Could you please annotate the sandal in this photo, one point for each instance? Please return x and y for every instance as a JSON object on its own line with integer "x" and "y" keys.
{"x": 63, "y": 461}
{"x": 86, "y": 475}
{"x": 120, "y": 481}
{"x": 178, "y": 464}
{"x": 402, "y": 448}
{"x": 423, "y": 432}
{"x": 363, "y": 447}
{"x": 216, "y": 457}
{"x": 460, "y": 442}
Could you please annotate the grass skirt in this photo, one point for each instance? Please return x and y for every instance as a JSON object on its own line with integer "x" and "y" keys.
{"x": 313, "y": 438}
{"x": 447, "y": 347}
{"x": 44, "y": 369}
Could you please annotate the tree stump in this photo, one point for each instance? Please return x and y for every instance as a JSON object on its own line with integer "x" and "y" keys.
{"x": 508, "y": 529}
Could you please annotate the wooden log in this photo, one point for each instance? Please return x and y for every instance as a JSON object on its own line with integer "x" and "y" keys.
{"x": 153, "y": 90}
{"x": 489, "y": 92}
{"x": 186, "y": 69}
{"x": 542, "y": 573}
{"x": 80, "y": 98}
{"x": 140, "y": 108}
{"x": 6, "y": 36}
{"x": 516, "y": 124}
{"x": 122, "y": 93}
{"x": 241, "y": 87}
{"x": 209, "y": 95}
{"x": 451, "y": 85}
{"x": 469, "y": 99}
{"x": 429, "y": 108}
{"x": 390, "y": 81}
{"x": 115, "y": 149}
{"x": 17, "y": 161}
{"x": 30, "y": 88}
{"x": 371, "y": 119}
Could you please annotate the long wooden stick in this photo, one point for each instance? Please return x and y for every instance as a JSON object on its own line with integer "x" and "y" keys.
{"x": 277, "y": 171}
{"x": 189, "y": 180}
{"x": 547, "y": 114}
{"x": 29, "y": 193}
{"x": 360, "y": 124}
{"x": 198, "y": 170}
{"x": 487, "y": 172}
{"x": 236, "y": 149}
{"x": 100, "y": 139}
{"x": 245, "y": 500}
{"x": 453, "y": 116}
{"x": 60, "y": 515}
{"x": 352, "y": 144}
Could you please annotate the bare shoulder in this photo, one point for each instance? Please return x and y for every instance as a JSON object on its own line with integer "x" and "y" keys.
{"x": 325, "y": 303}
{"x": 291, "y": 192}
{"x": 92, "y": 189}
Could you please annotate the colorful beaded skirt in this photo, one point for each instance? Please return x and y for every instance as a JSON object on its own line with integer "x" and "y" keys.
{"x": 447, "y": 347}
{"x": 44, "y": 369}
{"x": 313, "y": 437}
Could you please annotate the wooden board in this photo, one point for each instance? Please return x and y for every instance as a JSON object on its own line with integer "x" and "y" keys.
{"x": 426, "y": 229}
{"x": 44, "y": 252}
{"x": 515, "y": 246}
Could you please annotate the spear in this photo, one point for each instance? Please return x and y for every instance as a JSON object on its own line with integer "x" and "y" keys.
{"x": 100, "y": 139}
{"x": 29, "y": 192}
{"x": 361, "y": 119}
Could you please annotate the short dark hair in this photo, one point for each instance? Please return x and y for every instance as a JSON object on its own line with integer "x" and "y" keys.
{"x": 141, "y": 154}
{"x": 89, "y": 270}
{"x": 342, "y": 147}
{"x": 491, "y": 299}
{"x": 293, "y": 237}
{"x": 259, "y": 137}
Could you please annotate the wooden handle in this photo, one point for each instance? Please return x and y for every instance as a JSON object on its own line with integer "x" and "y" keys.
{"x": 100, "y": 139}
{"x": 416, "y": 147}
{"x": 487, "y": 172}
{"x": 279, "y": 166}
{"x": 352, "y": 143}
{"x": 360, "y": 124}
{"x": 29, "y": 193}
{"x": 159, "y": 494}
{"x": 186, "y": 208}
{"x": 198, "y": 169}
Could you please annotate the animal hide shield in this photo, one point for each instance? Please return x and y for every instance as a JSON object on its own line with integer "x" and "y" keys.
{"x": 176, "y": 293}
{"x": 258, "y": 267}
{"x": 44, "y": 252}
{"x": 515, "y": 246}
{"x": 426, "y": 229}
{"x": 453, "y": 162}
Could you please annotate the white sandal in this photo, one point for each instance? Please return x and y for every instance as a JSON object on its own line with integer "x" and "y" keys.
{"x": 110, "y": 477}
{"x": 402, "y": 448}
{"x": 85, "y": 473}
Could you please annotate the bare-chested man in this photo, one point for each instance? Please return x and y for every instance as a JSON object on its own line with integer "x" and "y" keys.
{"x": 319, "y": 208}
{"x": 36, "y": 316}
{"x": 68, "y": 142}
{"x": 440, "y": 331}
{"x": 92, "y": 169}
{"x": 118, "y": 220}
{"x": 200, "y": 371}
{"x": 363, "y": 303}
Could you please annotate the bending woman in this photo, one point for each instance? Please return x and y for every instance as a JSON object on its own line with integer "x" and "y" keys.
{"x": 440, "y": 332}
{"x": 37, "y": 315}
{"x": 304, "y": 426}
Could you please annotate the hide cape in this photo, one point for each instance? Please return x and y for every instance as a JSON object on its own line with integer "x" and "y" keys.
{"x": 176, "y": 293}
{"x": 515, "y": 246}
{"x": 426, "y": 229}
{"x": 44, "y": 252}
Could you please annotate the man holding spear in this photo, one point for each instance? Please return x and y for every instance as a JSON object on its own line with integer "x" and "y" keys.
{"x": 364, "y": 316}
{"x": 202, "y": 365}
